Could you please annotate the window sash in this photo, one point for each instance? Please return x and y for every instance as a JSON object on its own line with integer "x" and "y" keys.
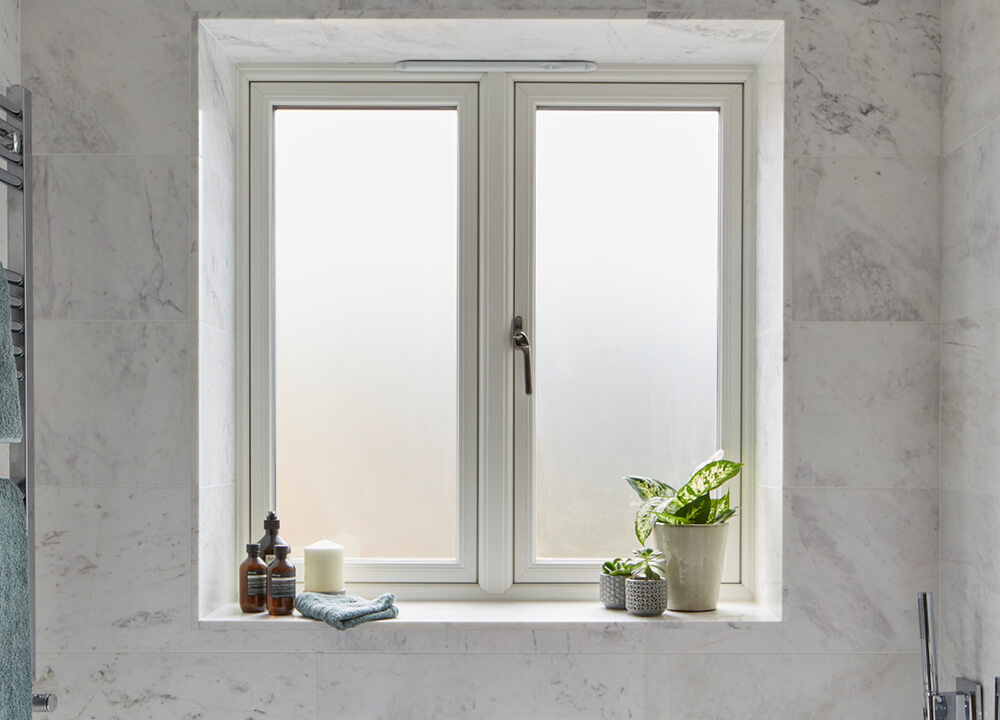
{"x": 488, "y": 159}
{"x": 727, "y": 99}
{"x": 258, "y": 343}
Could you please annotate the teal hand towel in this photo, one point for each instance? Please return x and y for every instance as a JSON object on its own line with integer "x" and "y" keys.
{"x": 345, "y": 611}
{"x": 10, "y": 401}
{"x": 15, "y": 607}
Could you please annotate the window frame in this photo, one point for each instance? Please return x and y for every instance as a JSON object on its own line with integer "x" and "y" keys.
{"x": 728, "y": 100}
{"x": 259, "y": 341}
{"x": 494, "y": 576}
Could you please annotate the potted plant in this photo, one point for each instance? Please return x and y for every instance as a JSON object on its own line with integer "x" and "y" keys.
{"x": 690, "y": 530}
{"x": 646, "y": 588}
{"x": 613, "y": 574}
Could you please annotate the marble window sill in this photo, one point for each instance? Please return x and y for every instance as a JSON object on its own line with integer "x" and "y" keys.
{"x": 498, "y": 615}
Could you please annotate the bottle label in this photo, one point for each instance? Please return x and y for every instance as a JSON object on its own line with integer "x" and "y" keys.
{"x": 256, "y": 584}
{"x": 283, "y": 587}
{"x": 269, "y": 558}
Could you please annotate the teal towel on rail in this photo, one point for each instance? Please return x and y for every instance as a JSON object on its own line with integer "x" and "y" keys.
{"x": 15, "y": 607}
{"x": 10, "y": 400}
{"x": 345, "y": 611}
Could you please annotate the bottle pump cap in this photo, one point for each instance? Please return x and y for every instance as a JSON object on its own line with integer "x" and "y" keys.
{"x": 271, "y": 522}
{"x": 281, "y": 551}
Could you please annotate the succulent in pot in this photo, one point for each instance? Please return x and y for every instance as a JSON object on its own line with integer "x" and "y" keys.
{"x": 646, "y": 587}
{"x": 689, "y": 526}
{"x": 613, "y": 575}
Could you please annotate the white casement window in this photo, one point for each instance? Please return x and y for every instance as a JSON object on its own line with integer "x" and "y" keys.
{"x": 402, "y": 232}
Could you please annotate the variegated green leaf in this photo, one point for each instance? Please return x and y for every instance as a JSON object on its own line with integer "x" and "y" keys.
{"x": 646, "y": 487}
{"x": 719, "y": 506}
{"x": 645, "y": 518}
{"x": 698, "y": 511}
{"x": 708, "y": 478}
{"x": 669, "y": 519}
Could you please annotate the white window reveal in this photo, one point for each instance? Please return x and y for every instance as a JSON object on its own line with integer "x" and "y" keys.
{"x": 403, "y": 235}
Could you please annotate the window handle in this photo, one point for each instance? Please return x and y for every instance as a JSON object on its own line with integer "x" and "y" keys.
{"x": 522, "y": 343}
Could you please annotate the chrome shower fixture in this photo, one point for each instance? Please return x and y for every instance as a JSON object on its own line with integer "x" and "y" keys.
{"x": 966, "y": 701}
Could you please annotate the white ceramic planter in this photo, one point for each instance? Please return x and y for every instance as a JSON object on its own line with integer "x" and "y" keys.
{"x": 694, "y": 555}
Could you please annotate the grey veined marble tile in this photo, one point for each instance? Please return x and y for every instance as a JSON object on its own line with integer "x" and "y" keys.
{"x": 854, "y": 561}
{"x": 862, "y": 405}
{"x": 970, "y": 248}
{"x": 113, "y": 568}
{"x": 480, "y": 686}
{"x": 114, "y": 404}
{"x": 419, "y": 8}
{"x": 865, "y": 241}
{"x": 971, "y": 67}
{"x": 867, "y": 78}
{"x": 968, "y": 622}
{"x": 114, "y": 237}
{"x": 970, "y": 404}
{"x": 723, "y": 9}
{"x": 10, "y": 45}
{"x": 109, "y": 76}
{"x": 203, "y": 686}
{"x": 866, "y": 687}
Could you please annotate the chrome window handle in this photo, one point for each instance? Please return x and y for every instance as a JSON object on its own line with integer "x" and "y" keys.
{"x": 522, "y": 343}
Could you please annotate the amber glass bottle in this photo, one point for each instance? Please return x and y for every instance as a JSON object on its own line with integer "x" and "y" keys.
{"x": 270, "y": 538}
{"x": 280, "y": 583}
{"x": 253, "y": 581}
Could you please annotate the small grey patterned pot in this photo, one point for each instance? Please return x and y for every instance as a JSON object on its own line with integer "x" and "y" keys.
{"x": 613, "y": 591}
{"x": 645, "y": 597}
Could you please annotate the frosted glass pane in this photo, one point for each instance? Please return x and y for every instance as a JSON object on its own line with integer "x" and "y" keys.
{"x": 626, "y": 285}
{"x": 366, "y": 328}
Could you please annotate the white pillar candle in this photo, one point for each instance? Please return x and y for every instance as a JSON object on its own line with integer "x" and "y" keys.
{"x": 324, "y": 571}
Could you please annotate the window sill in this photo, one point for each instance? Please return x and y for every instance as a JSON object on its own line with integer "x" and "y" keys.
{"x": 500, "y": 615}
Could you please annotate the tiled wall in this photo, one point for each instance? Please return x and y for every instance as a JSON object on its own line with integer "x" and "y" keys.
{"x": 969, "y": 622}
{"x": 124, "y": 333}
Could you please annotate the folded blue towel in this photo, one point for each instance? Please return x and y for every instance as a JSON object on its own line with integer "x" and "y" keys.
{"x": 15, "y": 607}
{"x": 10, "y": 400}
{"x": 345, "y": 611}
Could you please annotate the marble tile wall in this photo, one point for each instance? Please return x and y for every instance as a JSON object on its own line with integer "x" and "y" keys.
{"x": 126, "y": 358}
{"x": 970, "y": 342}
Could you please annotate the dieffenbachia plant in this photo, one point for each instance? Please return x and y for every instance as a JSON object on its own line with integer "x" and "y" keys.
{"x": 693, "y": 504}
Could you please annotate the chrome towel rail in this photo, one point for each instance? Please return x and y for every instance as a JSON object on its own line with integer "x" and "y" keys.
{"x": 15, "y": 153}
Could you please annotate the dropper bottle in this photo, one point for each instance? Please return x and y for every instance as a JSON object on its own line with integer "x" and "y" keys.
{"x": 270, "y": 538}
